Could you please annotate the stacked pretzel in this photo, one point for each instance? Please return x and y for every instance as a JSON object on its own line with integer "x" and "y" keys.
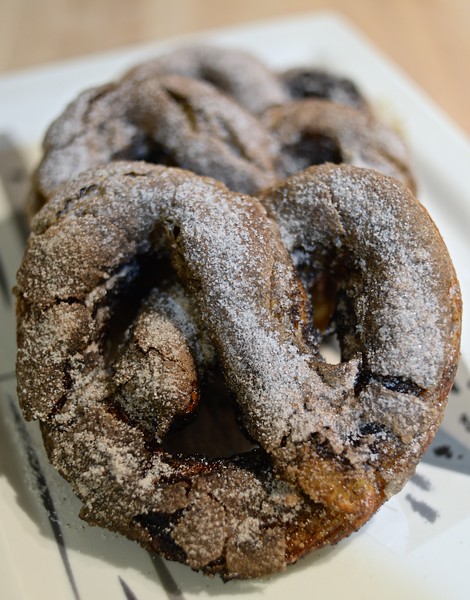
{"x": 184, "y": 239}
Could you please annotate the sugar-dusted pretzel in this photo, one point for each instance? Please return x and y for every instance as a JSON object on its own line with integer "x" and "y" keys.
{"x": 333, "y": 441}
{"x": 191, "y": 109}
{"x": 169, "y": 120}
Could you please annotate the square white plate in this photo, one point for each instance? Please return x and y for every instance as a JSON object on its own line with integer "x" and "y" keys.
{"x": 417, "y": 546}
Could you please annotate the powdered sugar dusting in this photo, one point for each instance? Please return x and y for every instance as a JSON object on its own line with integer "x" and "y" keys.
{"x": 316, "y": 431}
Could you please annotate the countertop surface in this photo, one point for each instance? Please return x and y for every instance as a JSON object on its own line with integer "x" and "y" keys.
{"x": 427, "y": 39}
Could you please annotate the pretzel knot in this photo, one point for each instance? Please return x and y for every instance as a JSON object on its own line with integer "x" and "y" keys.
{"x": 332, "y": 441}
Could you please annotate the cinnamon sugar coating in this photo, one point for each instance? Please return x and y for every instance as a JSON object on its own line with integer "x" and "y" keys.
{"x": 333, "y": 441}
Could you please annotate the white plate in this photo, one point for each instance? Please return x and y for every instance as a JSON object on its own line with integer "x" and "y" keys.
{"x": 417, "y": 546}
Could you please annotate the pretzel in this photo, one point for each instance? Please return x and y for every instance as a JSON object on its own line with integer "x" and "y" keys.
{"x": 314, "y": 131}
{"x": 168, "y": 111}
{"x": 333, "y": 442}
{"x": 168, "y": 120}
